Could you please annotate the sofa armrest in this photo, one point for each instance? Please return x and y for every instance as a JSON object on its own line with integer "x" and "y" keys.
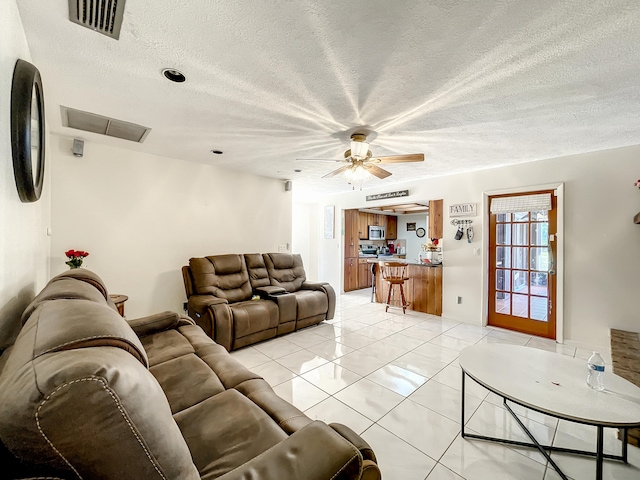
{"x": 356, "y": 440}
{"x": 313, "y": 285}
{"x": 200, "y": 303}
{"x": 213, "y": 315}
{"x": 328, "y": 290}
{"x": 158, "y": 322}
{"x": 315, "y": 452}
{"x": 265, "y": 292}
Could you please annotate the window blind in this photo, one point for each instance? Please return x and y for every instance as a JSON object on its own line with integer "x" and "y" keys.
{"x": 522, "y": 203}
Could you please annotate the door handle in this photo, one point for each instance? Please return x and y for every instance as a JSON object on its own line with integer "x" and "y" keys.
{"x": 552, "y": 261}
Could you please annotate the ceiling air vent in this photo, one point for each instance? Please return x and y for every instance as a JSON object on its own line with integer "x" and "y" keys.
{"x": 103, "y": 16}
{"x": 90, "y": 122}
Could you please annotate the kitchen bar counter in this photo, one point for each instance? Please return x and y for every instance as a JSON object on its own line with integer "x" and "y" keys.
{"x": 423, "y": 289}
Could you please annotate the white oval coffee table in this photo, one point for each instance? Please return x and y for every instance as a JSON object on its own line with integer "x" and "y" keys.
{"x": 555, "y": 385}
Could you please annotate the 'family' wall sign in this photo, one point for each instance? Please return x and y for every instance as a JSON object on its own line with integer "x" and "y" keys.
{"x": 463, "y": 210}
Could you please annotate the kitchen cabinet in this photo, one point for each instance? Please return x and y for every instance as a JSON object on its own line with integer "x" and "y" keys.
{"x": 350, "y": 274}
{"x": 350, "y": 233}
{"x": 364, "y": 273}
{"x": 435, "y": 219}
{"x": 392, "y": 227}
{"x": 363, "y": 226}
{"x": 376, "y": 219}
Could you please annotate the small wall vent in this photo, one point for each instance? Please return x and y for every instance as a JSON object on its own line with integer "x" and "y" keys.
{"x": 90, "y": 122}
{"x": 103, "y": 16}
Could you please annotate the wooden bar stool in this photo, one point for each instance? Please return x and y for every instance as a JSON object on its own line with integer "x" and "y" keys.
{"x": 395, "y": 273}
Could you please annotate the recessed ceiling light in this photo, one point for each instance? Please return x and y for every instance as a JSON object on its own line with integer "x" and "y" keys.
{"x": 174, "y": 75}
{"x": 297, "y": 170}
{"x": 217, "y": 152}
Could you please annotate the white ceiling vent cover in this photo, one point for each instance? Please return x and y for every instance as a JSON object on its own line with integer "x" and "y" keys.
{"x": 90, "y": 122}
{"x": 103, "y": 16}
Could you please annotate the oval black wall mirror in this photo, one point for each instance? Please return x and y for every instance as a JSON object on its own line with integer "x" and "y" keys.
{"x": 27, "y": 131}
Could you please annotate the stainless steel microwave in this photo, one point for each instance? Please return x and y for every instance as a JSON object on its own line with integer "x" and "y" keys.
{"x": 376, "y": 233}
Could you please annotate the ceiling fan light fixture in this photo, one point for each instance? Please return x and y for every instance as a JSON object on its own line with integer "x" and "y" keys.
{"x": 357, "y": 174}
{"x": 359, "y": 149}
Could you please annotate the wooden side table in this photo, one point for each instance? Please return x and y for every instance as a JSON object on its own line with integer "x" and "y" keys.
{"x": 119, "y": 300}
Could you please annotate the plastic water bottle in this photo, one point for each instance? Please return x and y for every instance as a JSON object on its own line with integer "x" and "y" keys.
{"x": 595, "y": 375}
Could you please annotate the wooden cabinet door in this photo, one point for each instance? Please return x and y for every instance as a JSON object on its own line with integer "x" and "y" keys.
{"x": 350, "y": 274}
{"x": 363, "y": 226}
{"x": 364, "y": 273}
{"x": 392, "y": 227}
{"x": 435, "y": 219}
{"x": 350, "y": 233}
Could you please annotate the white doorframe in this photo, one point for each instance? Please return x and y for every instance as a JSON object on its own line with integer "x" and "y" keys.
{"x": 559, "y": 192}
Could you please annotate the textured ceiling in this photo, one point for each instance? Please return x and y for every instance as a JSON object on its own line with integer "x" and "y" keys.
{"x": 470, "y": 84}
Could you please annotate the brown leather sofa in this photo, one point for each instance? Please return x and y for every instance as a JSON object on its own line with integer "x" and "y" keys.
{"x": 220, "y": 289}
{"x": 86, "y": 394}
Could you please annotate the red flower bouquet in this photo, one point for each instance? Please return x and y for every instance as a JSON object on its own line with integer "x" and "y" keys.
{"x": 75, "y": 258}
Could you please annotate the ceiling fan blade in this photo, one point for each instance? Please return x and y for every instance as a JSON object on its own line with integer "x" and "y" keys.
{"x": 320, "y": 160}
{"x": 337, "y": 172}
{"x": 413, "y": 157}
{"x": 377, "y": 171}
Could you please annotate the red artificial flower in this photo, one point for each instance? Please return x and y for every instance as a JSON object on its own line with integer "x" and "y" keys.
{"x": 76, "y": 254}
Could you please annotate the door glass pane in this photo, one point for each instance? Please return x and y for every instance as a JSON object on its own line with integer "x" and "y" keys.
{"x": 540, "y": 216}
{"x": 503, "y": 217}
{"x": 521, "y": 258}
{"x": 521, "y": 217}
{"x": 520, "y": 234}
{"x": 539, "y": 283}
{"x": 520, "y": 305}
{"x": 539, "y": 234}
{"x": 540, "y": 258}
{"x": 503, "y": 234}
{"x": 503, "y": 280}
{"x": 503, "y": 303}
{"x": 503, "y": 257}
{"x": 520, "y": 282}
{"x": 539, "y": 308}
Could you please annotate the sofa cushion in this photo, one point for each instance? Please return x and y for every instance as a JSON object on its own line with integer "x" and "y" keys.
{"x": 285, "y": 270}
{"x": 164, "y": 346}
{"x": 64, "y": 288}
{"x": 242, "y": 431}
{"x": 224, "y": 276}
{"x": 258, "y": 275}
{"x": 311, "y": 303}
{"x": 254, "y": 316}
{"x": 186, "y": 381}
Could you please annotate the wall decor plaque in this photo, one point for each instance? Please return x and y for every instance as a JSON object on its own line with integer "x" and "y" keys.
{"x": 463, "y": 210}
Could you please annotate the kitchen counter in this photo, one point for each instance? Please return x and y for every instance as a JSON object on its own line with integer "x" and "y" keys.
{"x": 422, "y": 290}
{"x": 402, "y": 260}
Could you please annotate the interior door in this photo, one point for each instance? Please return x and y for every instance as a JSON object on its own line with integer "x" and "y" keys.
{"x": 522, "y": 253}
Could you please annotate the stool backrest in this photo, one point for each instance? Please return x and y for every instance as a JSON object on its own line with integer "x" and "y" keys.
{"x": 394, "y": 270}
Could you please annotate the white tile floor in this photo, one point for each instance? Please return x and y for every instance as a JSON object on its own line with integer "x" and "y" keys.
{"x": 395, "y": 380}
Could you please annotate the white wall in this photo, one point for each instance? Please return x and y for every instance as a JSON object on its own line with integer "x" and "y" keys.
{"x": 602, "y": 245}
{"x": 141, "y": 217}
{"x": 305, "y": 237}
{"x": 24, "y": 247}
{"x": 413, "y": 243}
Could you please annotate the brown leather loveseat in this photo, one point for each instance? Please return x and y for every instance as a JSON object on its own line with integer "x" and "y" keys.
{"x": 239, "y": 300}
{"x": 86, "y": 394}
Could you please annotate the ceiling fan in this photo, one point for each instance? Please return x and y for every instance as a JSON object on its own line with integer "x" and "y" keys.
{"x": 360, "y": 162}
